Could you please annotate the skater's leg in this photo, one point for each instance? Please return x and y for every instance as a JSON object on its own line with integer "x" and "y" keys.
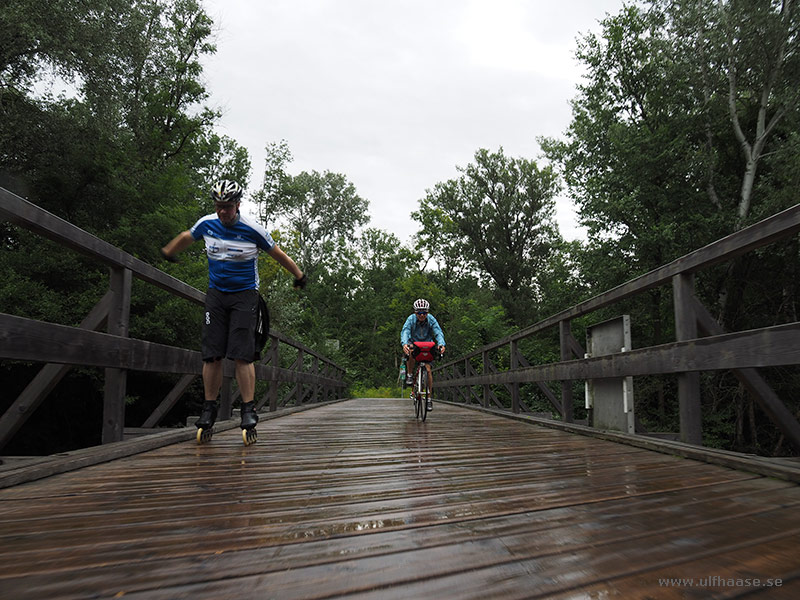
{"x": 212, "y": 379}
{"x": 246, "y": 379}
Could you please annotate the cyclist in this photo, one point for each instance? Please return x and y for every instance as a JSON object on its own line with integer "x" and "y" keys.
{"x": 420, "y": 327}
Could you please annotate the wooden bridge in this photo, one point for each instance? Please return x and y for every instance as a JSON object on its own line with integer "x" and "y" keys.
{"x": 358, "y": 499}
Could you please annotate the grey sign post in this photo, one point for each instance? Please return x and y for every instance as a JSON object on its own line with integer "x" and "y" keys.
{"x": 610, "y": 400}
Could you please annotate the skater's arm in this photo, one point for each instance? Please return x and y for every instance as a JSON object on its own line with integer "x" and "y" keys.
{"x": 285, "y": 261}
{"x": 178, "y": 244}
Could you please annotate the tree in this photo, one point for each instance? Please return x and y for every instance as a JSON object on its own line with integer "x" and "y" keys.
{"x": 762, "y": 65}
{"x": 269, "y": 197}
{"x": 367, "y": 325}
{"x": 498, "y": 216}
{"x": 323, "y": 210}
{"x": 684, "y": 131}
{"x": 125, "y": 155}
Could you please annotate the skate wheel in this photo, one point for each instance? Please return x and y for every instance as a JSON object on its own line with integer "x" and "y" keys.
{"x": 249, "y": 436}
{"x": 204, "y": 435}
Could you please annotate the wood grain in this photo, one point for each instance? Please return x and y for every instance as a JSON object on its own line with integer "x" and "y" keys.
{"x": 358, "y": 499}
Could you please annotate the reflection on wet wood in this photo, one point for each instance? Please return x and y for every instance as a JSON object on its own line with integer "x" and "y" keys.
{"x": 359, "y": 500}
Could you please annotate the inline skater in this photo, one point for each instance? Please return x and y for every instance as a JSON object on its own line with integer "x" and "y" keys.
{"x": 232, "y": 243}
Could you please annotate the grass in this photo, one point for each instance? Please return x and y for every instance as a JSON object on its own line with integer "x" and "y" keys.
{"x": 381, "y": 392}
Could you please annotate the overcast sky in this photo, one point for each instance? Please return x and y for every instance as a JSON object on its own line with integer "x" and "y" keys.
{"x": 396, "y": 94}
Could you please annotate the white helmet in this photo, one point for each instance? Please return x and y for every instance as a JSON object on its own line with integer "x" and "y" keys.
{"x": 421, "y": 304}
{"x": 226, "y": 190}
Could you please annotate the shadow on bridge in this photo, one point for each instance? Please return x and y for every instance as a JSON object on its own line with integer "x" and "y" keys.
{"x": 358, "y": 499}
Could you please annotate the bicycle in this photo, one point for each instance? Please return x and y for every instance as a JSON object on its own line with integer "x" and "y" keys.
{"x": 421, "y": 391}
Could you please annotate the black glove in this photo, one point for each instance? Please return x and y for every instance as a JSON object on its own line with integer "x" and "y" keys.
{"x": 168, "y": 257}
{"x": 301, "y": 282}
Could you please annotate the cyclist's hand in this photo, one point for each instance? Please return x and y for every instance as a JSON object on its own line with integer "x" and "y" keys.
{"x": 406, "y": 349}
{"x": 441, "y": 350}
{"x": 300, "y": 282}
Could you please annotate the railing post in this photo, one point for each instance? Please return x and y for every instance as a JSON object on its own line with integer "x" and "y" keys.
{"x": 325, "y": 372}
{"x": 468, "y": 388}
{"x": 273, "y": 383}
{"x": 688, "y": 383}
{"x": 485, "y": 357}
{"x": 450, "y": 393}
{"x": 315, "y": 370}
{"x": 116, "y": 379}
{"x": 566, "y": 385}
{"x": 225, "y": 399}
{"x": 514, "y": 363}
{"x": 298, "y": 399}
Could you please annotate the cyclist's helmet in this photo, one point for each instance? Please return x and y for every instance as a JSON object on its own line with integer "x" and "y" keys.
{"x": 226, "y": 190}
{"x": 421, "y": 304}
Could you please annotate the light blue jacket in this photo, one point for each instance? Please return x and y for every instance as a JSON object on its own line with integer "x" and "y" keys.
{"x": 414, "y": 331}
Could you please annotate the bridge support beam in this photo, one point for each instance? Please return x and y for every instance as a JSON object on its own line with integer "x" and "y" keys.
{"x": 117, "y": 379}
{"x": 47, "y": 379}
{"x": 273, "y": 384}
{"x": 688, "y": 383}
{"x": 514, "y": 386}
{"x": 567, "y": 412}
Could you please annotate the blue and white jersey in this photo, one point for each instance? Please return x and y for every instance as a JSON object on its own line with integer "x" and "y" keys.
{"x": 232, "y": 251}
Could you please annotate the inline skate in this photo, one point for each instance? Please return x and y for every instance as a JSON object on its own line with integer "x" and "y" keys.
{"x": 205, "y": 424}
{"x": 249, "y": 422}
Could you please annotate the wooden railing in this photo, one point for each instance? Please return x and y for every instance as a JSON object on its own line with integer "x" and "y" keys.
{"x": 742, "y": 352}
{"x": 311, "y": 377}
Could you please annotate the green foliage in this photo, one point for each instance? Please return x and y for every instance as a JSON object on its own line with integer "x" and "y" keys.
{"x": 682, "y": 133}
{"x": 471, "y": 325}
{"x": 321, "y": 210}
{"x": 684, "y": 130}
{"x": 125, "y": 156}
{"x": 498, "y": 217}
{"x": 382, "y": 392}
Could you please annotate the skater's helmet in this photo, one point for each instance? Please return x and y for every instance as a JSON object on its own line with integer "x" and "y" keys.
{"x": 226, "y": 190}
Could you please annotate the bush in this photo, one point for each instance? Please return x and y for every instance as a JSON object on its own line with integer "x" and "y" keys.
{"x": 381, "y": 392}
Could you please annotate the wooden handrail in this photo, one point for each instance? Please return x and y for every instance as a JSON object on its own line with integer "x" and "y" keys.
{"x": 779, "y": 226}
{"x": 740, "y": 352}
{"x": 37, "y": 341}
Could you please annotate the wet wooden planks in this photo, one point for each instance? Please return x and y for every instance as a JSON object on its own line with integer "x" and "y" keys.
{"x": 359, "y": 500}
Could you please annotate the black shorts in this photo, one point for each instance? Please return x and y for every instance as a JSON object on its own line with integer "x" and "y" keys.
{"x": 229, "y": 325}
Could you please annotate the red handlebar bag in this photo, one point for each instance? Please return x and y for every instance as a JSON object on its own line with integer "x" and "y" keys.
{"x": 423, "y": 351}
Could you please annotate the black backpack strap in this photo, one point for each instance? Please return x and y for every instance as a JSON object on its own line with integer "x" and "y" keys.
{"x": 262, "y": 326}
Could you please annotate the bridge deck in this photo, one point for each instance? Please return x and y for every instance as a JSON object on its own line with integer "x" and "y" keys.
{"x": 359, "y": 500}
